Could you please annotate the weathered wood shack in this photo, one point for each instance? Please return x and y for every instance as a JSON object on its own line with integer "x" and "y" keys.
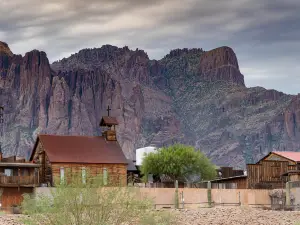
{"x": 268, "y": 172}
{"x": 96, "y": 155}
{"x": 16, "y": 178}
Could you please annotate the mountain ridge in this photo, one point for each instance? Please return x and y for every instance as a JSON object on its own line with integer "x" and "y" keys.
{"x": 191, "y": 96}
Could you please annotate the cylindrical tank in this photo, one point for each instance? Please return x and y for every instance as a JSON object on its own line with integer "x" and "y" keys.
{"x": 140, "y": 154}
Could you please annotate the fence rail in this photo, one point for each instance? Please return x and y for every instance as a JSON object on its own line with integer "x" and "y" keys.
{"x": 18, "y": 180}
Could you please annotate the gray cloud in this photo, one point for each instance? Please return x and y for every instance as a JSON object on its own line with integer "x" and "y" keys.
{"x": 264, "y": 34}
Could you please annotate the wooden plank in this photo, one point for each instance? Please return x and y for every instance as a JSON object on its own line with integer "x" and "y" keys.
{"x": 11, "y": 196}
{"x": 115, "y": 171}
{"x": 267, "y": 172}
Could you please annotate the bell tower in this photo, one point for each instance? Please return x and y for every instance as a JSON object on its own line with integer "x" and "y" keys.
{"x": 108, "y": 125}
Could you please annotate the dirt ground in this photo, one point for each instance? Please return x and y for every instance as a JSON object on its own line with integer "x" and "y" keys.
{"x": 238, "y": 216}
{"x": 217, "y": 216}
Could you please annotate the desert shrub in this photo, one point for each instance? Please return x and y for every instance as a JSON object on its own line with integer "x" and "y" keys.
{"x": 92, "y": 203}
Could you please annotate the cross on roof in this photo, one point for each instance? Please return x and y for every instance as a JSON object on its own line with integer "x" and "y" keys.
{"x": 108, "y": 109}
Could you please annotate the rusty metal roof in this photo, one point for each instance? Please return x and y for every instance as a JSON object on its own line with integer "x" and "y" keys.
{"x": 108, "y": 120}
{"x": 294, "y": 156}
{"x": 80, "y": 149}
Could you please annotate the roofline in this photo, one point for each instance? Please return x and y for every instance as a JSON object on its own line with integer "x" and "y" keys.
{"x": 277, "y": 155}
{"x": 291, "y": 172}
{"x": 90, "y": 162}
{"x": 34, "y": 148}
{"x": 226, "y": 178}
{"x": 4, "y": 164}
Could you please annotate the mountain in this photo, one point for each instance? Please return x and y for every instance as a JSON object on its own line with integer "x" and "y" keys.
{"x": 190, "y": 96}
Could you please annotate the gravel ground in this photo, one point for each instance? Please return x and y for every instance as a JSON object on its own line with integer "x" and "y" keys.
{"x": 217, "y": 216}
{"x": 238, "y": 216}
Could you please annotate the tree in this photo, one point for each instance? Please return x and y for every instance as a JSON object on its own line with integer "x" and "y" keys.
{"x": 178, "y": 162}
{"x": 91, "y": 202}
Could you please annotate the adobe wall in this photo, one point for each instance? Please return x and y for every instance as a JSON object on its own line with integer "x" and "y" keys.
{"x": 194, "y": 197}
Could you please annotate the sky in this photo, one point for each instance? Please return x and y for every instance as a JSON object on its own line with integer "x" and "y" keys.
{"x": 264, "y": 34}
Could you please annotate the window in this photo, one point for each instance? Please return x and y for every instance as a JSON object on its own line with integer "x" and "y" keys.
{"x": 8, "y": 172}
{"x": 83, "y": 173}
{"x": 62, "y": 175}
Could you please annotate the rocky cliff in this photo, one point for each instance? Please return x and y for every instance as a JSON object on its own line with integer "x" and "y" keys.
{"x": 190, "y": 96}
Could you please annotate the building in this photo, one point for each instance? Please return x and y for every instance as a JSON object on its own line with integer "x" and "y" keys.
{"x": 99, "y": 155}
{"x": 270, "y": 172}
{"x": 16, "y": 175}
{"x": 16, "y": 178}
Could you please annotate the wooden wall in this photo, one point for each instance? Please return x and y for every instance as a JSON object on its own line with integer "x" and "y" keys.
{"x": 45, "y": 171}
{"x": 116, "y": 172}
{"x": 239, "y": 183}
{"x": 234, "y": 183}
{"x": 12, "y": 196}
{"x": 267, "y": 174}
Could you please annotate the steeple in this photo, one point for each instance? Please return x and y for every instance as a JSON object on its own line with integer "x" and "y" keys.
{"x": 108, "y": 125}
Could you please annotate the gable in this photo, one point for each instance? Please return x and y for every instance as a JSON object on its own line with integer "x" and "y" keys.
{"x": 276, "y": 157}
{"x": 37, "y": 152}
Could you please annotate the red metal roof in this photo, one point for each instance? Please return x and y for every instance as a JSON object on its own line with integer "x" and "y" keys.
{"x": 81, "y": 149}
{"x": 294, "y": 156}
{"x": 107, "y": 120}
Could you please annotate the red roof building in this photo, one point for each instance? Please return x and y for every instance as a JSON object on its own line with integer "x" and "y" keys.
{"x": 98, "y": 155}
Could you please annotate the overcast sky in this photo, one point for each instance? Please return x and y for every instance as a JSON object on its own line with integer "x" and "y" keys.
{"x": 265, "y": 34}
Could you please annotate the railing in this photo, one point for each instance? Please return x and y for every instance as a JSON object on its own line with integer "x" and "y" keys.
{"x": 18, "y": 180}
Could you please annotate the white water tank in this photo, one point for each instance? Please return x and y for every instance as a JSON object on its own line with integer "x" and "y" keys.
{"x": 140, "y": 154}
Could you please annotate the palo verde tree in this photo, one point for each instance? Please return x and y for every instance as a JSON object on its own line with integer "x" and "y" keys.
{"x": 178, "y": 162}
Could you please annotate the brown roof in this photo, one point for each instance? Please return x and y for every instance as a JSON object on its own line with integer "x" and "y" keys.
{"x": 108, "y": 120}
{"x": 80, "y": 149}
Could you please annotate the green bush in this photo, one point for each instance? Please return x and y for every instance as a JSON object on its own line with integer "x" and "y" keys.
{"x": 92, "y": 203}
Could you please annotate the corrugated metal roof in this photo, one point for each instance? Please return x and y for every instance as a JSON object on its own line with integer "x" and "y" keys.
{"x": 294, "y": 156}
{"x": 108, "y": 120}
{"x": 81, "y": 149}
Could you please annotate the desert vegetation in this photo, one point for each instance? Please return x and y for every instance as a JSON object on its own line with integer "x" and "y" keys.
{"x": 86, "y": 200}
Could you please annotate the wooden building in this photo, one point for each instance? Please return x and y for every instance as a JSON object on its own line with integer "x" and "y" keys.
{"x": 268, "y": 172}
{"x": 16, "y": 178}
{"x": 236, "y": 182}
{"x": 98, "y": 155}
{"x": 226, "y": 172}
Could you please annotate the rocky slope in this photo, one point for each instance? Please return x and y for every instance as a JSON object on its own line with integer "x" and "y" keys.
{"x": 189, "y": 96}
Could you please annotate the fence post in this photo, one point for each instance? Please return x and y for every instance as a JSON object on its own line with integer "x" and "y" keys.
{"x": 288, "y": 196}
{"x": 209, "y": 193}
{"x": 176, "y": 195}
